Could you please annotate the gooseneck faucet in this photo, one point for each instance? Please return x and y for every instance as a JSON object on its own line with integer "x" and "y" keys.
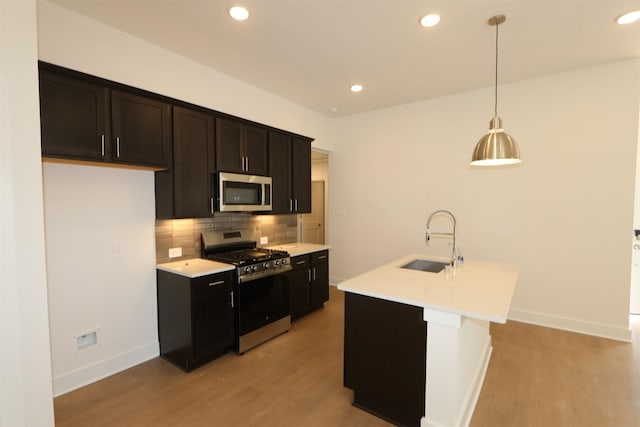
{"x": 452, "y": 234}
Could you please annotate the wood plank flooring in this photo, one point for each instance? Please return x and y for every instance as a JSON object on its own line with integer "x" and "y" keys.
{"x": 537, "y": 377}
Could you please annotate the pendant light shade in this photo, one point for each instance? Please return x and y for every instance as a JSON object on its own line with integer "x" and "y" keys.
{"x": 496, "y": 148}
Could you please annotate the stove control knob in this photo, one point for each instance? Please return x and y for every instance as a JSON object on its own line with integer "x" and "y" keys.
{"x": 265, "y": 265}
{"x": 247, "y": 269}
{"x": 255, "y": 268}
{"x": 277, "y": 262}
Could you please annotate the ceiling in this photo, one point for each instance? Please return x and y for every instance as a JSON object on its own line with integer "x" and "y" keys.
{"x": 312, "y": 51}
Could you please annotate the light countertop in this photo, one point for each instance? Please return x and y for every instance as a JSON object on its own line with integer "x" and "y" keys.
{"x": 195, "y": 267}
{"x": 480, "y": 290}
{"x": 296, "y": 249}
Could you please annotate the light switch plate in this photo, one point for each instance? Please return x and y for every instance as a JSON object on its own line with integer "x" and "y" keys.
{"x": 175, "y": 252}
{"x": 264, "y": 240}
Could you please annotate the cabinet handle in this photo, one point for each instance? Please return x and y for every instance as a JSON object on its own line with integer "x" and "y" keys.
{"x": 309, "y": 275}
{"x": 322, "y": 257}
{"x": 231, "y": 295}
{"x": 247, "y": 164}
{"x": 117, "y": 146}
{"x": 296, "y": 205}
{"x": 290, "y": 205}
{"x": 300, "y": 262}
{"x": 219, "y": 282}
{"x": 102, "y": 145}
{"x": 211, "y": 204}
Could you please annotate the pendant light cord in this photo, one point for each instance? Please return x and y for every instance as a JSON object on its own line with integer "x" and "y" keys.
{"x": 495, "y": 107}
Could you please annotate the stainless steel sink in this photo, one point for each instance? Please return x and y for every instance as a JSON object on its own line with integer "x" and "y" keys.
{"x": 426, "y": 265}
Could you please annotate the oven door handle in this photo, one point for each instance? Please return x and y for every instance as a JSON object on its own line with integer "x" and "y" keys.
{"x": 244, "y": 279}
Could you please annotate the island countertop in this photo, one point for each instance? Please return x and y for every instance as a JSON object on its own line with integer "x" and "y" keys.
{"x": 478, "y": 289}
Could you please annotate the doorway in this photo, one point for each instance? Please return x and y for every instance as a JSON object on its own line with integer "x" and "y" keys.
{"x": 313, "y": 223}
{"x": 313, "y": 226}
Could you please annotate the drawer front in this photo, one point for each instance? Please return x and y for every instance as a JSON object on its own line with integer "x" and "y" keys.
{"x": 206, "y": 285}
{"x": 321, "y": 256}
{"x": 300, "y": 261}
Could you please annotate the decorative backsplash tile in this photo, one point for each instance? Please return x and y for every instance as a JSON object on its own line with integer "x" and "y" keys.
{"x": 185, "y": 233}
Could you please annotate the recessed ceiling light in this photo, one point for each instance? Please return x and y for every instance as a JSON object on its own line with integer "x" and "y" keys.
{"x": 356, "y": 88}
{"x": 430, "y": 20}
{"x": 239, "y": 13}
{"x": 629, "y": 18}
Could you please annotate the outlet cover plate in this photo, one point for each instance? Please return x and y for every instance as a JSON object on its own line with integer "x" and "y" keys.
{"x": 175, "y": 252}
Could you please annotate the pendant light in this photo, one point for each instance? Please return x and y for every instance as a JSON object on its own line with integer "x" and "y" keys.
{"x": 496, "y": 148}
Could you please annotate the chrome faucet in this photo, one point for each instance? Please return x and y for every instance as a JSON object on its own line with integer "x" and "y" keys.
{"x": 454, "y": 257}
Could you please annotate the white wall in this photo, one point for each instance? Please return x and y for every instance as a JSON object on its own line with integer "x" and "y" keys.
{"x": 87, "y": 208}
{"x": 25, "y": 368}
{"x": 89, "y": 211}
{"x": 564, "y": 215}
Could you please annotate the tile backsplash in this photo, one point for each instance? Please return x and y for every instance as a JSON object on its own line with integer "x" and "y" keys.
{"x": 185, "y": 233}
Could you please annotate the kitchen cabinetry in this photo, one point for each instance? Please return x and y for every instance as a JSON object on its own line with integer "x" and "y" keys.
{"x": 241, "y": 147}
{"x": 195, "y": 317}
{"x": 385, "y": 345}
{"x": 186, "y": 191}
{"x": 290, "y": 170}
{"x": 309, "y": 282}
{"x": 141, "y": 130}
{"x": 73, "y": 118}
{"x": 84, "y": 119}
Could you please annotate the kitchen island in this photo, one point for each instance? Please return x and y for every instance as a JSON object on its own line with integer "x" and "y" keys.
{"x": 456, "y": 308}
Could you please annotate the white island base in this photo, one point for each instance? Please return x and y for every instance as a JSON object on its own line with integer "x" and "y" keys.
{"x": 458, "y": 352}
{"x": 458, "y": 309}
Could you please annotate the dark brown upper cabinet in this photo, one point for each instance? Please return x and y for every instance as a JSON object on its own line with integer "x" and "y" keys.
{"x": 84, "y": 119}
{"x": 186, "y": 191}
{"x": 241, "y": 147}
{"x": 73, "y": 118}
{"x": 290, "y": 170}
{"x": 141, "y": 130}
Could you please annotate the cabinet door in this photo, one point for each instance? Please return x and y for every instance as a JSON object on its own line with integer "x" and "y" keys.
{"x": 319, "y": 279}
{"x": 213, "y": 315}
{"x": 141, "y": 130}
{"x": 255, "y": 150}
{"x": 73, "y": 118}
{"x": 193, "y": 163}
{"x": 391, "y": 384}
{"x": 299, "y": 286}
{"x": 228, "y": 145}
{"x": 301, "y": 174}
{"x": 280, "y": 172}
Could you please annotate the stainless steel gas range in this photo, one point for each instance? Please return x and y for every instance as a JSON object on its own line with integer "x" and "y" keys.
{"x": 261, "y": 293}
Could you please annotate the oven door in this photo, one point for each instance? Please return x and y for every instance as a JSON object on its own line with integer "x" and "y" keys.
{"x": 263, "y": 310}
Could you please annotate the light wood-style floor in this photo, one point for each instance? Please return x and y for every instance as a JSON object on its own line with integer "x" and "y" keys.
{"x": 537, "y": 377}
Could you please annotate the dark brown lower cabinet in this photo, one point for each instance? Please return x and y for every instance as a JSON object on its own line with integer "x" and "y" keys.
{"x": 196, "y": 319}
{"x": 309, "y": 282}
{"x": 385, "y": 351}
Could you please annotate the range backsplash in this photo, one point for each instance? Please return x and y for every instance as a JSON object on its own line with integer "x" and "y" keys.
{"x": 185, "y": 233}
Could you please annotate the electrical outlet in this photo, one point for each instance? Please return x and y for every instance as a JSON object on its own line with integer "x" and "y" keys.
{"x": 264, "y": 240}
{"x": 117, "y": 249}
{"x": 175, "y": 252}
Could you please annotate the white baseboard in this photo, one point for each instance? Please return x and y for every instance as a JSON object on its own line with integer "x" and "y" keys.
{"x": 572, "y": 325}
{"x": 89, "y": 374}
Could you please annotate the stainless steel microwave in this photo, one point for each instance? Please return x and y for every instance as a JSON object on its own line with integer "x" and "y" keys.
{"x": 243, "y": 193}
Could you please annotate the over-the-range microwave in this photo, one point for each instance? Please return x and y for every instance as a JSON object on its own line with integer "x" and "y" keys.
{"x": 243, "y": 193}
